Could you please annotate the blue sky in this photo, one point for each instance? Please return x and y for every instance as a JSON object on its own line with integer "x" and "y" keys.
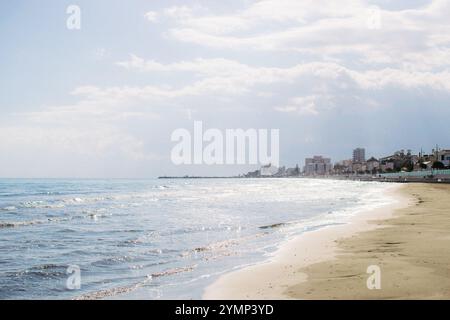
{"x": 103, "y": 101}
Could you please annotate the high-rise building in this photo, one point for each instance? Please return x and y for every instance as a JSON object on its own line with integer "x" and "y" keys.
{"x": 359, "y": 155}
{"x": 317, "y": 165}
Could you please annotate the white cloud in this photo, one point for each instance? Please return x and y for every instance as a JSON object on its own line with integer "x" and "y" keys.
{"x": 326, "y": 29}
{"x": 301, "y": 105}
{"x": 223, "y": 74}
{"x": 179, "y": 12}
{"x": 151, "y": 16}
{"x": 228, "y": 78}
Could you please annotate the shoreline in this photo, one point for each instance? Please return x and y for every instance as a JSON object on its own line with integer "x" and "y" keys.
{"x": 274, "y": 278}
{"x": 401, "y": 177}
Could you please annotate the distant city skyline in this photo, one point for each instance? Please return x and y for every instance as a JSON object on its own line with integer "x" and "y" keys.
{"x": 403, "y": 161}
{"x": 102, "y": 101}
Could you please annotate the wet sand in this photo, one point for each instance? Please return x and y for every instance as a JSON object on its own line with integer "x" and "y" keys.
{"x": 409, "y": 242}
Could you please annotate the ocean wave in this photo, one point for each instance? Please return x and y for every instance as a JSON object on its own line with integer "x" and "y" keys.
{"x": 15, "y": 224}
{"x": 39, "y": 204}
{"x": 173, "y": 271}
{"x": 61, "y": 203}
{"x": 220, "y": 249}
{"x": 221, "y": 245}
{"x": 127, "y": 230}
{"x": 273, "y": 226}
{"x": 9, "y": 208}
{"x": 95, "y": 214}
{"x": 101, "y": 294}
{"x": 158, "y": 251}
{"x": 130, "y": 242}
{"x": 113, "y": 260}
{"x": 27, "y": 194}
{"x": 74, "y": 200}
{"x": 198, "y": 229}
{"x": 43, "y": 271}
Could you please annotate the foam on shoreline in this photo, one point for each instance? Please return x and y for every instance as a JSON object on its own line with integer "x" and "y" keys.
{"x": 271, "y": 278}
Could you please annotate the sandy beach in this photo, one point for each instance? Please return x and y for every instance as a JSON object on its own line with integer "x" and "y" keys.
{"x": 408, "y": 241}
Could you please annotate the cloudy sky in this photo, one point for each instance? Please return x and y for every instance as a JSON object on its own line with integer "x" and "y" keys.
{"x": 103, "y": 101}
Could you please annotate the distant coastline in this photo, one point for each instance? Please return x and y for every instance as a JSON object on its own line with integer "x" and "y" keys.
{"x": 393, "y": 178}
{"x": 402, "y": 166}
{"x": 196, "y": 177}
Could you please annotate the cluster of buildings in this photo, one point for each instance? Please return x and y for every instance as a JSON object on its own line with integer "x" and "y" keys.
{"x": 358, "y": 165}
{"x": 399, "y": 161}
{"x": 273, "y": 171}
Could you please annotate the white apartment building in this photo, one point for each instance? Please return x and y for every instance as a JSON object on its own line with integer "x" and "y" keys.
{"x": 444, "y": 157}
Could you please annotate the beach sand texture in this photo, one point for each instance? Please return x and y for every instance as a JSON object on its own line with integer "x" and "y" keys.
{"x": 409, "y": 242}
{"x": 412, "y": 250}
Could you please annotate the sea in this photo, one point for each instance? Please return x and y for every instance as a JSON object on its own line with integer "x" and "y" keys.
{"x": 157, "y": 238}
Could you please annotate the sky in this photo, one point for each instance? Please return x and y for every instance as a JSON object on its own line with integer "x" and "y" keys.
{"x": 102, "y": 101}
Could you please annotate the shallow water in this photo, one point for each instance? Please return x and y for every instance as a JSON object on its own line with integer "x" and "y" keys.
{"x": 154, "y": 239}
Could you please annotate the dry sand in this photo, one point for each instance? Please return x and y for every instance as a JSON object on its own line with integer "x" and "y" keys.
{"x": 409, "y": 241}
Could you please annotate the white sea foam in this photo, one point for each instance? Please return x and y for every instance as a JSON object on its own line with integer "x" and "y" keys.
{"x": 9, "y": 208}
